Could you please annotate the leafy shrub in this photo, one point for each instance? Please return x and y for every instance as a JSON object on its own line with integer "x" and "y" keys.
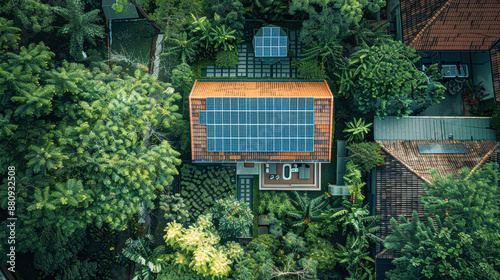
{"x": 173, "y": 271}
{"x": 277, "y": 203}
{"x": 174, "y": 207}
{"x": 228, "y": 58}
{"x": 199, "y": 247}
{"x": 323, "y": 252}
{"x": 310, "y": 69}
{"x": 291, "y": 53}
{"x": 231, "y": 218}
{"x": 201, "y": 187}
{"x": 271, "y": 242}
{"x": 366, "y": 155}
{"x": 495, "y": 119}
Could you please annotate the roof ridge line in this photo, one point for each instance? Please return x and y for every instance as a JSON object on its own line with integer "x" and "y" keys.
{"x": 485, "y": 158}
{"x": 430, "y": 21}
{"x": 402, "y": 162}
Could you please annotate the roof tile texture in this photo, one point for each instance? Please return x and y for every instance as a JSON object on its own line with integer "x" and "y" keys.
{"x": 251, "y": 88}
{"x": 495, "y": 70}
{"x": 450, "y": 24}
{"x": 407, "y": 153}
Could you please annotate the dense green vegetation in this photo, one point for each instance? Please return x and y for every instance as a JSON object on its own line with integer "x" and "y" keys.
{"x": 202, "y": 187}
{"x": 95, "y": 141}
{"x": 462, "y": 241}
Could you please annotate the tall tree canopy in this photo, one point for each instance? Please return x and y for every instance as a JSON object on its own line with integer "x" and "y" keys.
{"x": 87, "y": 144}
{"x": 463, "y": 245}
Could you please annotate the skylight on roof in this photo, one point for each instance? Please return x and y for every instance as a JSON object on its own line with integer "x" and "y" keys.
{"x": 441, "y": 148}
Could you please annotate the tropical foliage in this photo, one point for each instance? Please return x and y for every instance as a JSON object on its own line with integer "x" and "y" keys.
{"x": 232, "y": 218}
{"x": 383, "y": 79}
{"x": 461, "y": 242}
{"x": 202, "y": 187}
{"x": 175, "y": 208}
{"x": 366, "y": 155}
{"x": 357, "y": 129}
{"x": 198, "y": 246}
{"x": 149, "y": 261}
{"x": 81, "y": 26}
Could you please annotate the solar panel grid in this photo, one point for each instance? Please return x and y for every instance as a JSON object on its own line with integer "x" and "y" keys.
{"x": 271, "y": 127}
{"x": 271, "y": 43}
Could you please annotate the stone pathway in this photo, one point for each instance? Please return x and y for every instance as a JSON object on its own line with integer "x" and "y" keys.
{"x": 251, "y": 67}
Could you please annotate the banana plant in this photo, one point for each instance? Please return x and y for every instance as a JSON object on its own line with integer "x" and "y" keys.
{"x": 357, "y": 130}
{"x": 203, "y": 26}
{"x": 223, "y": 37}
{"x": 149, "y": 261}
{"x": 308, "y": 209}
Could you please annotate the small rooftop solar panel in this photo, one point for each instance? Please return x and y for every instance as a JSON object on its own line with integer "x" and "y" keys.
{"x": 275, "y": 31}
{"x": 203, "y": 117}
{"x": 274, "y": 51}
{"x": 267, "y": 51}
{"x": 267, "y": 31}
{"x": 210, "y": 103}
{"x": 259, "y": 51}
{"x": 442, "y": 148}
{"x": 210, "y": 117}
{"x": 259, "y": 42}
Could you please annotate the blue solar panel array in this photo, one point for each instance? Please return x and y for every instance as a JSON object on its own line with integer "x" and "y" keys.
{"x": 271, "y": 43}
{"x": 266, "y": 124}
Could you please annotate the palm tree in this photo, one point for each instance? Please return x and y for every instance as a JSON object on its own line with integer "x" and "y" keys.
{"x": 149, "y": 261}
{"x": 81, "y": 26}
{"x": 307, "y": 209}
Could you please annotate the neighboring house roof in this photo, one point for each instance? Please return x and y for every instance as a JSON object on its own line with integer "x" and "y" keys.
{"x": 408, "y": 154}
{"x": 400, "y": 137}
{"x": 321, "y": 101}
{"x": 450, "y": 24}
{"x": 433, "y": 128}
{"x": 399, "y": 182}
{"x": 129, "y": 10}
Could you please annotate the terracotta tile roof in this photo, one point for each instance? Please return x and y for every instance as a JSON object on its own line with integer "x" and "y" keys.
{"x": 407, "y": 153}
{"x": 251, "y": 88}
{"x": 323, "y": 113}
{"x": 450, "y": 24}
{"x": 398, "y": 194}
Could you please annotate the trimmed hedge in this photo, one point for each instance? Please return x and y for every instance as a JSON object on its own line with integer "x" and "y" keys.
{"x": 227, "y": 58}
{"x": 202, "y": 186}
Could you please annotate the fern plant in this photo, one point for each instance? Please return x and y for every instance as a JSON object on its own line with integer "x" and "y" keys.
{"x": 308, "y": 210}
{"x": 81, "y": 26}
{"x": 357, "y": 130}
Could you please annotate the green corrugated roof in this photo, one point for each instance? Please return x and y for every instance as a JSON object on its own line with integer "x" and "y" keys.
{"x": 129, "y": 10}
{"x": 433, "y": 128}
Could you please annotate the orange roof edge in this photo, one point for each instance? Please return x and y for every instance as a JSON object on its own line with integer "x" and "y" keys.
{"x": 191, "y": 118}
{"x": 260, "y": 88}
{"x": 331, "y": 123}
